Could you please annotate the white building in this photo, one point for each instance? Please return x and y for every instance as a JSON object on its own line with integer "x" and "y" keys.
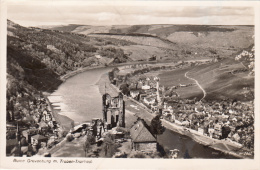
{"x": 146, "y": 87}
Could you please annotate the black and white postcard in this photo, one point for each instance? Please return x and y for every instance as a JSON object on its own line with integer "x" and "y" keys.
{"x": 129, "y": 84}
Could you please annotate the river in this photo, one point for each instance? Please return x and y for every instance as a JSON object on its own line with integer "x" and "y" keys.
{"x": 79, "y": 99}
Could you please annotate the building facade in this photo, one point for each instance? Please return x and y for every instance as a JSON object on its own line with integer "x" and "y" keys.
{"x": 141, "y": 138}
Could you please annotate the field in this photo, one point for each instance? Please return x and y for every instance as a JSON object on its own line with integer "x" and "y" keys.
{"x": 173, "y": 41}
{"x": 217, "y": 79}
{"x": 141, "y": 51}
{"x": 222, "y": 82}
{"x": 143, "y": 40}
{"x": 177, "y": 77}
{"x": 225, "y": 43}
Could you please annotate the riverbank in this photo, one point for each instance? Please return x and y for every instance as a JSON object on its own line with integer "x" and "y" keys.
{"x": 226, "y": 147}
{"x": 104, "y": 82}
{"x": 219, "y": 145}
{"x": 73, "y": 73}
{"x": 81, "y": 70}
{"x": 64, "y": 121}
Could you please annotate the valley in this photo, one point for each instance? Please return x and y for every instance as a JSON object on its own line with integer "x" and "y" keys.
{"x": 196, "y": 67}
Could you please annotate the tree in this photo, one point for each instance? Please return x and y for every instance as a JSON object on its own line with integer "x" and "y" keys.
{"x": 69, "y": 137}
{"x": 225, "y": 131}
{"x": 156, "y": 126}
{"x": 108, "y": 147}
{"x": 86, "y": 146}
{"x": 30, "y": 151}
{"x": 187, "y": 155}
{"x": 72, "y": 125}
{"x": 24, "y": 142}
{"x": 125, "y": 89}
{"x": 91, "y": 139}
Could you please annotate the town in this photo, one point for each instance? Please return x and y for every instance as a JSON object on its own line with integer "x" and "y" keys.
{"x": 226, "y": 120}
{"x": 106, "y": 133}
{"x": 155, "y": 90}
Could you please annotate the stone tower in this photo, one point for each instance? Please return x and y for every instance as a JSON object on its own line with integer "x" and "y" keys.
{"x": 113, "y": 111}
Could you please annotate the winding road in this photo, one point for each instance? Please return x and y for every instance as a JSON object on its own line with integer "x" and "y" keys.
{"x": 204, "y": 92}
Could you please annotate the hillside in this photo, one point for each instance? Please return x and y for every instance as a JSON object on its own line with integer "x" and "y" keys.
{"x": 180, "y": 41}
{"x": 66, "y": 28}
{"x": 225, "y": 79}
{"x": 37, "y": 58}
{"x": 58, "y": 50}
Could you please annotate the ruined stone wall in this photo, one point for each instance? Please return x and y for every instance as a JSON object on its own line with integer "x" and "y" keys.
{"x": 146, "y": 146}
{"x": 113, "y": 111}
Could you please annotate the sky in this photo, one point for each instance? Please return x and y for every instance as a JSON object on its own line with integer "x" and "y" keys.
{"x": 29, "y": 14}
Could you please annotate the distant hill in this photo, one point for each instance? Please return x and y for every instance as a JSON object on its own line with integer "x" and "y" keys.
{"x": 37, "y": 57}
{"x": 67, "y": 28}
{"x": 189, "y": 40}
{"x": 62, "y": 49}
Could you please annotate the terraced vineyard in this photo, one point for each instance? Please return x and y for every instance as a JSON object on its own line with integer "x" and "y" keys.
{"x": 217, "y": 79}
{"x": 143, "y": 40}
{"x": 177, "y": 77}
{"x": 135, "y": 51}
{"x": 220, "y": 82}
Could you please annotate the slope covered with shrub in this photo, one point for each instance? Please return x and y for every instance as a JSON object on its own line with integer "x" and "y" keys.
{"x": 36, "y": 59}
{"x": 184, "y": 41}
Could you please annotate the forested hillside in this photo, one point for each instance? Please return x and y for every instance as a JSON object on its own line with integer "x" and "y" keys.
{"x": 170, "y": 42}
{"x": 36, "y": 58}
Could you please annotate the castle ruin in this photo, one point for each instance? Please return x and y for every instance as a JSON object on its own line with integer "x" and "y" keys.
{"x": 113, "y": 111}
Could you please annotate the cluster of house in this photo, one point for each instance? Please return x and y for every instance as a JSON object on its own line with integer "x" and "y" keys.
{"x": 233, "y": 121}
{"x": 141, "y": 139}
{"x": 43, "y": 131}
{"x": 35, "y": 129}
{"x": 227, "y": 119}
{"x": 128, "y": 73}
{"x": 144, "y": 88}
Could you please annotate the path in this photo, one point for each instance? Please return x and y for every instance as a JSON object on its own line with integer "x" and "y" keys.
{"x": 204, "y": 92}
{"x": 243, "y": 65}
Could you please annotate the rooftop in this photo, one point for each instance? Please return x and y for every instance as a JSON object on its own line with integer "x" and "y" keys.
{"x": 139, "y": 133}
{"x": 39, "y": 137}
